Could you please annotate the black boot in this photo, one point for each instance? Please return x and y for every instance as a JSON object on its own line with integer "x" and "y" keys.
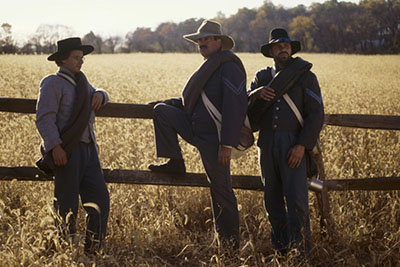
{"x": 175, "y": 166}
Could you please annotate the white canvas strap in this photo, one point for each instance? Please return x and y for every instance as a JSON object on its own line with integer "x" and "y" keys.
{"x": 274, "y": 74}
{"x": 216, "y": 115}
{"x": 298, "y": 115}
{"x": 67, "y": 77}
{"x": 290, "y": 102}
{"x": 294, "y": 108}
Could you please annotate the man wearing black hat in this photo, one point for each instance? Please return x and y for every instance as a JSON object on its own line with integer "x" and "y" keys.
{"x": 290, "y": 125}
{"x": 64, "y": 119}
{"x": 222, "y": 80}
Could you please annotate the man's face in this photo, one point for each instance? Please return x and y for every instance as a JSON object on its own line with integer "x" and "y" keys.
{"x": 74, "y": 62}
{"x": 281, "y": 52}
{"x": 208, "y": 46}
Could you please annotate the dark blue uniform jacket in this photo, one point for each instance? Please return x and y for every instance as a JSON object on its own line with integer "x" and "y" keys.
{"x": 306, "y": 94}
{"x": 226, "y": 89}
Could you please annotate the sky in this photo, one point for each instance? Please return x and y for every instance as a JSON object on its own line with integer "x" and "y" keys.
{"x": 117, "y": 17}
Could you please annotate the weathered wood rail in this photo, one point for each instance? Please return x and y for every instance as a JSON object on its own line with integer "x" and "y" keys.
{"x": 247, "y": 182}
{"x": 143, "y": 111}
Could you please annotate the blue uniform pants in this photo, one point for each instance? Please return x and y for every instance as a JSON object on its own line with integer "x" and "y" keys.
{"x": 286, "y": 193}
{"x": 170, "y": 121}
{"x": 82, "y": 176}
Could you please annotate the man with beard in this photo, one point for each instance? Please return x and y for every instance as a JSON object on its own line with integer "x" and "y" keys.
{"x": 223, "y": 80}
{"x": 282, "y": 142}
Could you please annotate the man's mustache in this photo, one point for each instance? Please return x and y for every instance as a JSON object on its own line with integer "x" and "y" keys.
{"x": 203, "y": 46}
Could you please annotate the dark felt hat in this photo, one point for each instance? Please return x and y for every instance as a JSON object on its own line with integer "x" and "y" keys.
{"x": 67, "y": 45}
{"x": 279, "y": 35}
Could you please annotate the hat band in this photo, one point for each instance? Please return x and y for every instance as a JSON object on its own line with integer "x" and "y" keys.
{"x": 282, "y": 40}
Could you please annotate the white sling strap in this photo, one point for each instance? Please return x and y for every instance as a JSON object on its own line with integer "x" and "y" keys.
{"x": 216, "y": 115}
{"x": 290, "y": 102}
{"x": 296, "y": 112}
{"x": 274, "y": 74}
{"x": 294, "y": 108}
{"x": 67, "y": 77}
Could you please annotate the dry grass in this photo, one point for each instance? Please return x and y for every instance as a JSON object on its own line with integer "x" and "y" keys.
{"x": 172, "y": 226}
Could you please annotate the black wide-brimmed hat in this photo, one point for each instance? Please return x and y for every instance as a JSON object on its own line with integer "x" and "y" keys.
{"x": 67, "y": 45}
{"x": 211, "y": 28}
{"x": 279, "y": 35}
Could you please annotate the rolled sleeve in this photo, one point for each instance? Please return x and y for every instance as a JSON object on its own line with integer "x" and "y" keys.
{"x": 106, "y": 97}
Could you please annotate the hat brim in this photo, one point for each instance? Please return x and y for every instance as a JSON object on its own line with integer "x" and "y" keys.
{"x": 86, "y": 49}
{"x": 227, "y": 41}
{"x": 265, "y": 49}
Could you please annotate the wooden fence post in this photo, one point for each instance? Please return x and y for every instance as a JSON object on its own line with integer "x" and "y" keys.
{"x": 326, "y": 221}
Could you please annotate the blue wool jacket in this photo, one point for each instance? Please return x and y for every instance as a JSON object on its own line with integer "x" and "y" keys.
{"x": 226, "y": 89}
{"x": 306, "y": 95}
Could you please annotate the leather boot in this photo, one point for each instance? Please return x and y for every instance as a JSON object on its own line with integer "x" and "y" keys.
{"x": 175, "y": 166}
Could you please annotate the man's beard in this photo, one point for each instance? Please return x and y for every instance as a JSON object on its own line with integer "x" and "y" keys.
{"x": 282, "y": 61}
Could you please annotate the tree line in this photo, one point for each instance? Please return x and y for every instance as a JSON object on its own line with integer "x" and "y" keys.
{"x": 372, "y": 26}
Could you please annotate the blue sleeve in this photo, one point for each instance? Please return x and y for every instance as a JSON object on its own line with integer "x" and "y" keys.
{"x": 177, "y": 102}
{"x": 234, "y": 103}
{"x": 261, "y": 78}
{"x": 93, "y": 90}
{"x": 313, "y": 112}
{"x": 46, "y": 112}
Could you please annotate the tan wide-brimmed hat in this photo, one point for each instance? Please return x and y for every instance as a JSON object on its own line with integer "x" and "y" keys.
{"x": 211, "y": 28}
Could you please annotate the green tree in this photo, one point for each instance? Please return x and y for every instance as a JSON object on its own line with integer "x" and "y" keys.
{"x": 168, "y": 37}
{"x": 334, "y": 26}
{"x": 303, "y": 29}
{"x": 237, "y": 26}
{"x": 143, "y": 40}
{"x": 387, "y": 15}
{"x": 7, "y": 44}
{"x": 96, "y": 41}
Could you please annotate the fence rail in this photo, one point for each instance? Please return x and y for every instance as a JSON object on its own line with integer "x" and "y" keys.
{"x": 143, "y": 111}
{"x": 247, "y": 182}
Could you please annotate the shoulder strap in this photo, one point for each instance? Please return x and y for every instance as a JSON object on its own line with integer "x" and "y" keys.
{"x": 274, "y": 74}
{"x": 296, "y": 112}
{"x": 294, "y": 108}
{"x": 67, "y": 77}
{"x": 216, "y": 115}
{"x": 213, "y": 111}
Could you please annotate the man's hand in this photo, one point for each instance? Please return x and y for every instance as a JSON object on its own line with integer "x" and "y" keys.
{"x": 266, "y": 93}
{"x": 97, "y": 100}
{"x": 295, "y": 155}
{"x": 59, "y": 156}
{"x": 224, "y": 155}
{"x": 166, "y": 101}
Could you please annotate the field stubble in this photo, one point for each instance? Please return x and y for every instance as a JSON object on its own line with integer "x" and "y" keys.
{"x": 162, "y": 226}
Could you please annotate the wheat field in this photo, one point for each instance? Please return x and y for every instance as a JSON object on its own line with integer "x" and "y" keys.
{"x": 172, "y": 226}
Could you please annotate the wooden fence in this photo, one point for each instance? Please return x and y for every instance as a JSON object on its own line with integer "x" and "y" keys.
{"x": 121, "y": 110}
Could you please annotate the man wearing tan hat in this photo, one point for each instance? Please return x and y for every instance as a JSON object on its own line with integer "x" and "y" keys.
{"x": 223, "y": 80}
{"x": 64, "y": 119}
